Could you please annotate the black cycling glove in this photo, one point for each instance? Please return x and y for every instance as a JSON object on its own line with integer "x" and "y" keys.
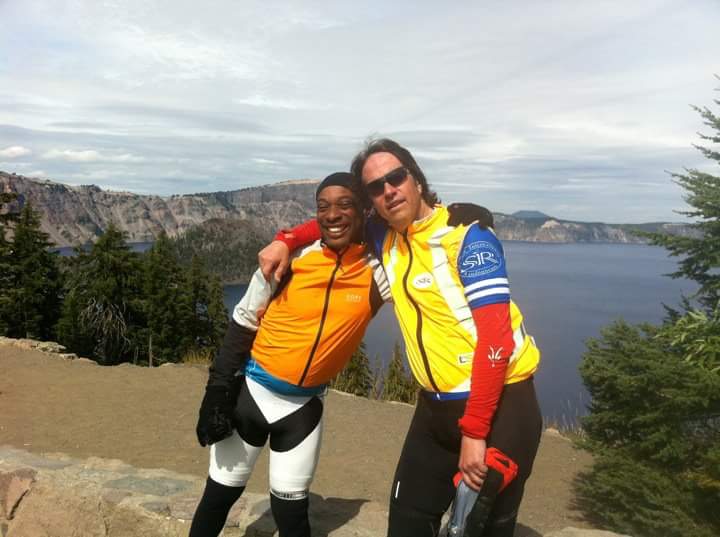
{"x": 215, "y": 421}
{"x": 467, "y": 213}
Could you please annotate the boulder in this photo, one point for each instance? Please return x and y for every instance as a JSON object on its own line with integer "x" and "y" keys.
{"x": 13, "y": 487}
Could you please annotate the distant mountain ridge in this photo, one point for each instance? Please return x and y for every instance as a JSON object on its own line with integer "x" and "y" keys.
{"x": 528, "y": 215}
{"x": 78, "y": 214}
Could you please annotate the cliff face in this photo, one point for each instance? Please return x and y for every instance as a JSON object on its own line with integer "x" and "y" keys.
{"x": 72, "y": 215}
{"x": 75, "y": 215}
{"x": 549, "y": 229}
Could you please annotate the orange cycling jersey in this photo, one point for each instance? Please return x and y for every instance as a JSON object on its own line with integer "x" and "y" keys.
{"x": 317, "y": 317}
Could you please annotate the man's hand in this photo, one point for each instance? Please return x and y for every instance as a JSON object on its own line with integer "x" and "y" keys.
{"x": 274, "y": 260}
{"x": 472, "y": 462}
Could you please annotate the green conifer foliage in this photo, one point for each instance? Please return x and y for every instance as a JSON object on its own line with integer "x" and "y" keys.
{"x": 217, "y": 313}
{"x": 700, "y": 255}
{"x": 7, "y": 269}
{"x": 654, "y": 425}
{"x": 356, "y": 377}
{"x": 33, "y": 292}
{"x": 164, "y": 300}
{"x": 78, "y": 338}
{"x": 399, "y": 384}
{"x": 654, "y": 422}
{"x": 104, "y": 301}
{"x": 6, "y": 283}
{"x": 205, "y": 319}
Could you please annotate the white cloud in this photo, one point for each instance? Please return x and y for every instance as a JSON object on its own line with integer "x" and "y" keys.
{"x": 89, "y": 155}
{"x": 264, "y": 101}
{"x": 265, "y": 161}
{"x": 70, "y": 155}
{"x": 15, "y": 151}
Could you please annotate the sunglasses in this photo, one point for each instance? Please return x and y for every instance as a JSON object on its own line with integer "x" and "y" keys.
{"x": 394, "y": 178}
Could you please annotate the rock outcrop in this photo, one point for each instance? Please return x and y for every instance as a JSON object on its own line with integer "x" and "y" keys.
{"x": 79, "y": 214}
{"x": 49, "y": 347}
{"x": 55, "y": 495}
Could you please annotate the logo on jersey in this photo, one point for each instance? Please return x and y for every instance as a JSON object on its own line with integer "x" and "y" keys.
{"x": 479, "y": 258}
{"x": 422, "y": 281}
{"x": 494, "y": 356}
{"x": 353, "y": 298}
{"x": 465, "y": 358}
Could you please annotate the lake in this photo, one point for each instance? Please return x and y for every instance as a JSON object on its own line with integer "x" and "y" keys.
{"x": 567, "y": 293}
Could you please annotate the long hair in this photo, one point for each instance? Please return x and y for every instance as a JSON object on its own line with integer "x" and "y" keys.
{"x": 386, "y": 145}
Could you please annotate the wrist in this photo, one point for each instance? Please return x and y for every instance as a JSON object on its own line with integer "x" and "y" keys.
{"x": 474, "y": 427}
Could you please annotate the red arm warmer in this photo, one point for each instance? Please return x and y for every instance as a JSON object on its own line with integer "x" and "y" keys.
{"x": 493, "y": 349}
{"x": 301, "y": 235}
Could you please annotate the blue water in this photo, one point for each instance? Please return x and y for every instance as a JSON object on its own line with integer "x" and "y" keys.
{"x": 567, "y": 293}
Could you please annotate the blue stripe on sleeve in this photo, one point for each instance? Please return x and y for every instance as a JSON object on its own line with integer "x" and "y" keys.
{"x": 482, "y": 269}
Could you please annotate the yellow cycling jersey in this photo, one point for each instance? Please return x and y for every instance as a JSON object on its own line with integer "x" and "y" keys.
{"x": 433, "y": 290}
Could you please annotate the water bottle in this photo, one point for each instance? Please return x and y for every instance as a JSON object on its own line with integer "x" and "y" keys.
{"x": 464, "y": 501}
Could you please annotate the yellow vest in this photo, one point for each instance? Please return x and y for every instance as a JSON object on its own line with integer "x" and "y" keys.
{"x": 430, "y": 304}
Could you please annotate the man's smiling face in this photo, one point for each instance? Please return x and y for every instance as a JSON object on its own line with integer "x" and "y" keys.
{"x": 339, "y": 217}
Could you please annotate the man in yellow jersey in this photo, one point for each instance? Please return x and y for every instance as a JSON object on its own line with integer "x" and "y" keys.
{"x": 311, "y": 324}
{"x": 466, "y": 346}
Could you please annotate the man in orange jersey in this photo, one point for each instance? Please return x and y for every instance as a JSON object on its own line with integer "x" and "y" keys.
{"x": 312, "y": 321}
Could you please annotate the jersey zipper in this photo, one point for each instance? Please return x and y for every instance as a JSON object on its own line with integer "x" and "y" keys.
{"x": 322, "y": 320}
{"x": 418, "y": 330}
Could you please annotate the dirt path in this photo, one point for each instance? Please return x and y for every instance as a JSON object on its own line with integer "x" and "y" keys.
{"x": 147, "y": 417}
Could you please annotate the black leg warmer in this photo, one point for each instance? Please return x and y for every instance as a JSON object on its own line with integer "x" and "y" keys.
{"x": 291, "y": 516}
{"x": 213, "y": 509}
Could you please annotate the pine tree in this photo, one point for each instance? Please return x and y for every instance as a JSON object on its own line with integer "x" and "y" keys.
{"x": 7, "y": 268}
{"x": 378, "y": 378}
{"x": 701, "y": 254}
{"x": 74, "y": 335}
{"x": 356, "y": 377}
{"x": 654, "y": 421}
{"x": 216, "y": 312}
{"x": 206, "y": 317}
{"x": 35, "y": 284}
{"x": 653, "y": 426}
{"x": 105, "y": 302}
{"x": 399, "y": 385}
{"x": 163, "y": 301}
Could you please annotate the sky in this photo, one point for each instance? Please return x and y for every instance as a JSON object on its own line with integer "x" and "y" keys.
{"x": 576, "y": 109}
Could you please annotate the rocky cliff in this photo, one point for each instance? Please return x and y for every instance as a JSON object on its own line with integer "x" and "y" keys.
{"x": 549, "y": 229}
{"x": 78, "y": 214}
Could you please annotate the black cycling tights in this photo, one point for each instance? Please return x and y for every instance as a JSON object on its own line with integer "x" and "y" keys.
{"x": 291, "y": 516}
{"x": 423, "y": 488}
{"x": 213, "y": 509}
